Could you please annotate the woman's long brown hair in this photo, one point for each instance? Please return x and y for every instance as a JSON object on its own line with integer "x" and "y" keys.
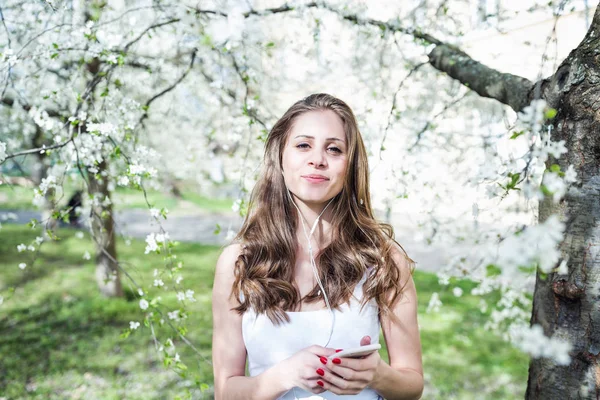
{"x": 264, "y": 270}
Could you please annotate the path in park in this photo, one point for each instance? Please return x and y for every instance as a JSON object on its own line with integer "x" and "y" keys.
{"x": 200, "y": 227}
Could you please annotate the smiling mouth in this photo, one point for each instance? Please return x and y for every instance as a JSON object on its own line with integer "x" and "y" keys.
{"x": 315, "y": 179}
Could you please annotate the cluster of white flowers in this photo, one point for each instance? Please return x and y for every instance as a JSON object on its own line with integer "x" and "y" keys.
{"x": 189, "y": 294}
{"x": 104, "y": 129}
{"x": 536, "y": 244}
{"x": 8, "y": 57}
{"x": 153, "y": 239}
{"x": 2, "y": 151}
{"x": 134, "y": 325}
{"x": 532, "y": 117}
{"x": 434, "y": 303}
{"x": 144, "y": 304}
{"x": 174, "y": 315}
{"x": 22, "y": 265}
{"x": 123, "y": 180}
{"x": 159, "y": 283}
{"x": 42, "y": 119}
{"x": 86, "y": 255}
{"x": 532, "y": 341}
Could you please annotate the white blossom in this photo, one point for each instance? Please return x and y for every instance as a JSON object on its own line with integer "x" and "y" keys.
{"x": 134, "y": 324}
{"x": 434, "y": 303}
{"x": 158, "y": 282}
{"x": 154, "y": 212}
{"x": 2, "y": 151}
{"x": 180, "y": 296}
{"x": 123, "y": 181}
{"x": 570, "y": 175}
{"x": 151, "y": 243}
{"x": 190, "y": 295}
{"x": 457, "y": 291}
{"x": 104, "y": 129}
{"x": 22, "y": 247}
{"x": 22, "y": 265}
{"x": 174, "y": 315}
{"x": 140, "y": 292}
{"x": 86, "y": 255}
{"x": 532, "y": 341}
{"x": 143, "y": 304}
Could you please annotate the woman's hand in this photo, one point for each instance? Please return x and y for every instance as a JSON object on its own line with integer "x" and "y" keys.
{"x": 305, "y": 368}
{"x": 347, "y": 375}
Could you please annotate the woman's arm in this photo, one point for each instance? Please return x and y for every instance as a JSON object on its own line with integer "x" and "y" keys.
{"x": 403, "y": 377}
{"x": 228, "y": 349}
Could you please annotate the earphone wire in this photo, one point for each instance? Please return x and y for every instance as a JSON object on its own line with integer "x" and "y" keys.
{"x": 314, "y": 264}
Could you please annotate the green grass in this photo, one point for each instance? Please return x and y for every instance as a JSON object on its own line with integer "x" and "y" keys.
{"x": 19, "y": 198}
{"x": 59, "y": 338}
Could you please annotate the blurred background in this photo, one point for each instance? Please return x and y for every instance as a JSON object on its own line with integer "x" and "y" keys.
{"x": 136, "y": 130}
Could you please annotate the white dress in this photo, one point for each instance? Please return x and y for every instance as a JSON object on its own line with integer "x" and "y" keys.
{"x": 267, "y": 344}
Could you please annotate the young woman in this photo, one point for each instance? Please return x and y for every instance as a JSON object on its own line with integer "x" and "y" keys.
{"x": 312, "y": 272}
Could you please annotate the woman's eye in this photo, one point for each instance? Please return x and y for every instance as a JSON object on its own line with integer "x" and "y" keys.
{"x": 335, "y": 149}
{"x": 302, "y": 146}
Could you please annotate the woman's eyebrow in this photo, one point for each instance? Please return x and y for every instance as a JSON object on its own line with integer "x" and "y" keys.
{"x": 312, "y": 137}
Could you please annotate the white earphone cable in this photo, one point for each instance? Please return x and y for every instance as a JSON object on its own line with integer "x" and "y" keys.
{"x": 314, "y": 264}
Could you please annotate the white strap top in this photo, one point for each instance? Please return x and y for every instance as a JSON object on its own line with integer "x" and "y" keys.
{"x": 268, "y": 344}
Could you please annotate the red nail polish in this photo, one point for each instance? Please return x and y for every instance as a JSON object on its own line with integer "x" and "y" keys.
{"x": 320, "y": 383}
{"x": 323, "y": 360}
{"x": 338, "y": 350}
{"x": 320, "y": 372}
{"x": 336, "y": 361}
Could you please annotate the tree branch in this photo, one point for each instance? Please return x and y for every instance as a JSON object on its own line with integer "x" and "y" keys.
{"x": 168, "y": 89}
{"x": 508, "y": 89}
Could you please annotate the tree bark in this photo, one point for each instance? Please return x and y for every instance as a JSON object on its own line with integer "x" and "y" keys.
{"x": 108, "y": 275}
{"x": 569, "y": 306}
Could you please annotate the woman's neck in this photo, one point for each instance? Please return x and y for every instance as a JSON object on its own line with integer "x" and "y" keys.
{"x": 309, "y": 214}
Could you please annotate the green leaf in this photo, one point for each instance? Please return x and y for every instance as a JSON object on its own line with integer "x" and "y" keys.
{"x": 550, "y": 113}
{"x": 55, "y": 45}
{"x": 555, "y": 168}
{"x": 217, "y": 229}
{"x": 517, "y": 134}
{"x": 492, "y": 270}
{"x": 53, "y": 56}
{"x": 270, "y": 44}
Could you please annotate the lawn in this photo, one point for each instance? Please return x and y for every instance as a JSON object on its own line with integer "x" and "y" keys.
{"x": 59, "y": 338}
{"x": 14, "y": 197}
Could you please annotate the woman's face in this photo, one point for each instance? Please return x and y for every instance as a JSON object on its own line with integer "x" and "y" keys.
{"x": 315, "y": 157}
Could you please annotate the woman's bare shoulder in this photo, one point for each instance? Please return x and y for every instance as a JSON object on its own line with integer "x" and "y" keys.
{"x": 231, "y": 252}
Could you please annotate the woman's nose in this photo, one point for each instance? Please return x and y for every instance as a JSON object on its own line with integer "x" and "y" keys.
{"x": 318, "y": 159}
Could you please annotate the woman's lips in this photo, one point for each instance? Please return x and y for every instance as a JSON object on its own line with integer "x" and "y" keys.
{"x": 315, "y": 179}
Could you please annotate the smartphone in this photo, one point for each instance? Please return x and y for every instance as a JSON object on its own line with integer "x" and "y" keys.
{"x": 357, "y": 352}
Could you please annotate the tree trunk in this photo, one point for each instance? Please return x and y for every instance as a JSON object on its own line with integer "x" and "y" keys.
{"x": 569, "y": 306}
{"x": 107, "y": 272}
